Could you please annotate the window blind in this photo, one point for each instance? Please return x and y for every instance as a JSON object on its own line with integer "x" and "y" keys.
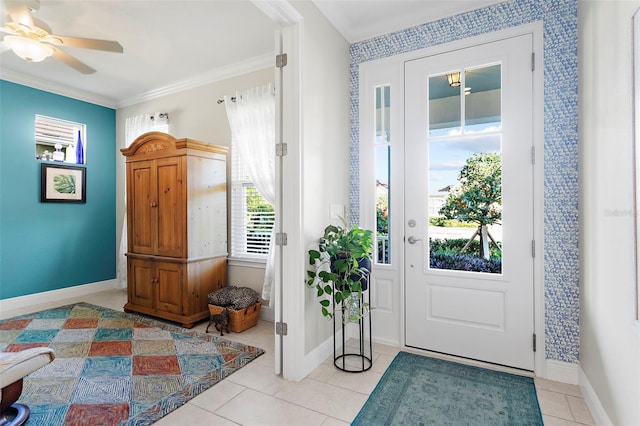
{"x": 50, "y": 131}
{"x": 252, "y": 218}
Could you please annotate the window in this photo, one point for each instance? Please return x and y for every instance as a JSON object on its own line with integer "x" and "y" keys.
{"x": 60, "y": 140}
{"x": 252, "y": 218}
{"x": 383, "y": 173}
{"x": 465, "y": 169}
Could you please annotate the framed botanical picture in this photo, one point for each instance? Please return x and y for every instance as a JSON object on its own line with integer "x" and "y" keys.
{"x": 63, "y": 184}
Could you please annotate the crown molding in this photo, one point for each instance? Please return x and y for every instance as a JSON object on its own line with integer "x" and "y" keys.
{"x": 222, "y": 73}
{"x": 280, "y": 11}
{"x": 57, "y": 89}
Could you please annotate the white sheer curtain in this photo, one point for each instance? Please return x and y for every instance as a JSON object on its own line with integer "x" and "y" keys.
{"x": 252, "y": 120}
{"x": 134, "y": 127}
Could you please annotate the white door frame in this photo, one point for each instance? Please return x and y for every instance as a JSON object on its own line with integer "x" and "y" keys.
{"x": 391, "y": 65}
{"x": 289, "y": 351}
{"x": 291, "y": 309}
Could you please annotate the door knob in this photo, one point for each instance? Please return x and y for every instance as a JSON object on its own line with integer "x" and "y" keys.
{"x": 413, "y": 240}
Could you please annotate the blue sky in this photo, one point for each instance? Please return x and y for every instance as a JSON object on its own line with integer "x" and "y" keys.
{"x": 448, "y": 153}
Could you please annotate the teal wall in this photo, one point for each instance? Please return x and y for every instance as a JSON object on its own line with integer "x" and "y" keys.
{"x": 49, "y": 246}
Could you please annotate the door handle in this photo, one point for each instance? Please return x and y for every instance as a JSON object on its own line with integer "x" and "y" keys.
{"x": 413, "y": 240}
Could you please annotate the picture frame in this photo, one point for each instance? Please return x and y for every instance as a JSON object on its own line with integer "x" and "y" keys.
{"x": 63, "y": 184}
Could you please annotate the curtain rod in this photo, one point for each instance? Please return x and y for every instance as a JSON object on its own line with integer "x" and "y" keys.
{"x": 233, "y": 99}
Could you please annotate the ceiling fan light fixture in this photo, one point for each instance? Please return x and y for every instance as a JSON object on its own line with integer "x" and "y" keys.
{"x": 454, "y": 79}
{"x": 28, "y": 49}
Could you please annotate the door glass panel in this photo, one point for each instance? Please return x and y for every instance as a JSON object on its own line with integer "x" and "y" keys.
{"x": 465, "y": 175}
{"x": 383, "y": 173}
{"x": 383, "y": 113}
{"x": 383, "y": 254}
{"x": 482, "y": 106}
{"x": 444, "y": 104}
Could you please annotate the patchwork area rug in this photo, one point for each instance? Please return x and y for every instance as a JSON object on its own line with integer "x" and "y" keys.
{"x": 418, "y": 390}
{"x": 113, "y": 368}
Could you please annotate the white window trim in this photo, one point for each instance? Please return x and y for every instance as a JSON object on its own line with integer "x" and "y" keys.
{"x": 246, "y": 262}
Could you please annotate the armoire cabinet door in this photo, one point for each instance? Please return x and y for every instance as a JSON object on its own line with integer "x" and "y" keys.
{"x": 157, "y": 217}
{"x": 169, "y": 287}
{"x": 170, "y": 210}
{"x": 140, "y": 282}
{"x": 156, "y": 285}
{"x": 142, "y": 209}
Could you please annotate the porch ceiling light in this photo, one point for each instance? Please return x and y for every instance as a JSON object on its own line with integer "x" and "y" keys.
{"x": 454, "y": 79}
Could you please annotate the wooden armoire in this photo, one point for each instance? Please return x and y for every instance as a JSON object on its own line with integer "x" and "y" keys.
{"x": 176, "y": 226}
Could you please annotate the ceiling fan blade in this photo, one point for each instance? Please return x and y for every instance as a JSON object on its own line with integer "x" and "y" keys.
{"x": 86, "y": 43}
{"x": 7, "y": 30}
{"x": 72, "y": 62}
{"x": 20, "y": 11}
{"x": 41, "y": 25}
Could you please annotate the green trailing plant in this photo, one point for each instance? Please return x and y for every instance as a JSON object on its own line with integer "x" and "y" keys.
{"x": 341, "y": 265}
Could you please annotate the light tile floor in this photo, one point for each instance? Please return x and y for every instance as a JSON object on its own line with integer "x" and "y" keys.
{"x": 254, "y": 395}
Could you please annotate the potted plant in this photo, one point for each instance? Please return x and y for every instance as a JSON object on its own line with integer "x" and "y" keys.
{"x": 342, "y": 264}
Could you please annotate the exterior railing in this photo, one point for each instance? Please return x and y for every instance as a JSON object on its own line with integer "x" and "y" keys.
{"x": 384, "y": 252}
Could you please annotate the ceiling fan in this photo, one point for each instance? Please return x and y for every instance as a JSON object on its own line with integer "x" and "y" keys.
{"x": 32, "y": 39}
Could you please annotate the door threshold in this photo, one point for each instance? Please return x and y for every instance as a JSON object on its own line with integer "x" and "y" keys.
{"x": 470, "y": 361}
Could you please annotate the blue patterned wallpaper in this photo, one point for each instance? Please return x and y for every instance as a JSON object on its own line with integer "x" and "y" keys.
{"x": 560, "y": 18}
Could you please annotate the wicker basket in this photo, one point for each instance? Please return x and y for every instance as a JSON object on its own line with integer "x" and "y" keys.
{"x": 239, "y": 320}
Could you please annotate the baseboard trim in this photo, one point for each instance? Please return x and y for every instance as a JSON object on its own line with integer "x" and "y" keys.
{"x": 593, "y": 402}
{"x": 56, "y": 295}
{"x": 561, "y": 371}
{"x": 319, "y": 355}
{"x": 267, "y": 313}
{"x": 387, "y": 342}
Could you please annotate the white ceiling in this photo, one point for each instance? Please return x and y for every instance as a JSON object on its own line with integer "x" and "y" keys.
{"x": 359, "y": 20}
{"x": 170, "y": 44}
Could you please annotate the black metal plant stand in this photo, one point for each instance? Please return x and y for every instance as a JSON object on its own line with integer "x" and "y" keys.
{"x": 353, "y": 359}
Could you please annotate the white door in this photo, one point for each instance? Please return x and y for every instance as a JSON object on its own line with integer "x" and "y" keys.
{"x": 468, "y": 127}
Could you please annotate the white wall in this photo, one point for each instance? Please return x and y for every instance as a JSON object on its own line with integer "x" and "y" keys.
{"x": 195, "y": 114}
{"x": 325, "y": 145}
{"x": 610, "y": 342}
